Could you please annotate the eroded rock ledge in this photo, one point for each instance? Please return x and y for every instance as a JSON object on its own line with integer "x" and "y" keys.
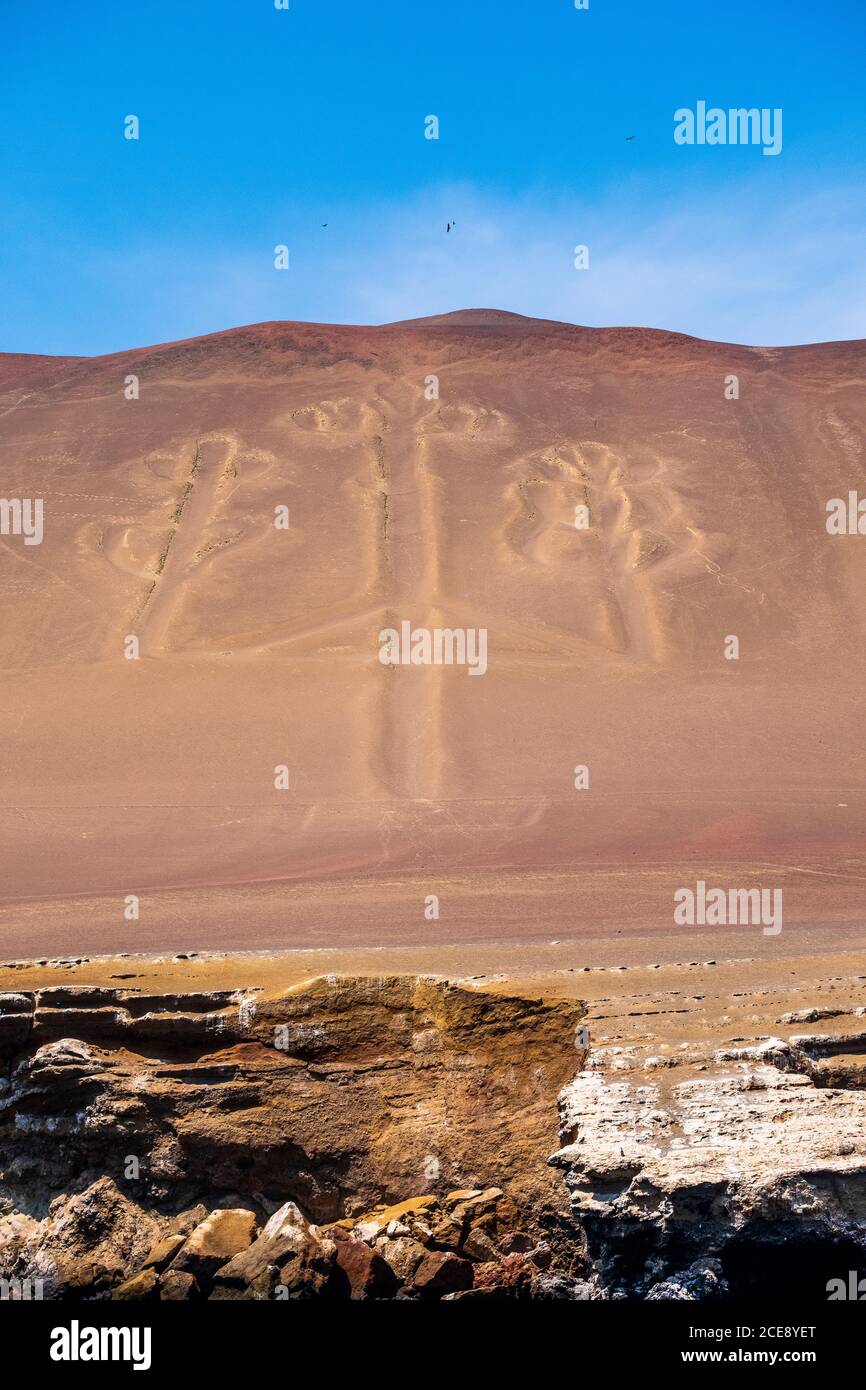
{"x": 702, "y": 1174}
{"x": 219, "y": 1145}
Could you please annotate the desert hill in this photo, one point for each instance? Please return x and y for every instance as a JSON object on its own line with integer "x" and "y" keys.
{"x": 259, "y": 646}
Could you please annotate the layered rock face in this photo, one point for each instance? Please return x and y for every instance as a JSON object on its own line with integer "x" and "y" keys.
{"x": 700, "y": 1174}
{"x": 157, "y": 1139}
{"x": 379, "y": 1138}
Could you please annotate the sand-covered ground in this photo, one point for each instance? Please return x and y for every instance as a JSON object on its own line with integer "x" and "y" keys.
{"x": 670, "y": 999}
{"x": 259, "y": 647}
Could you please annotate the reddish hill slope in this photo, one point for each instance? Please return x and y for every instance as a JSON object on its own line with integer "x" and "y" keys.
{"x": 259, "y": 646}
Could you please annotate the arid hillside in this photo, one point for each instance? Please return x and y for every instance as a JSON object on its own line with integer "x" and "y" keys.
{"x": 230, "y": 524}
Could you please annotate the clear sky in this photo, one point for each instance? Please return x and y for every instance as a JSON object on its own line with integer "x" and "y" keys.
{"x": 258, "y": 125}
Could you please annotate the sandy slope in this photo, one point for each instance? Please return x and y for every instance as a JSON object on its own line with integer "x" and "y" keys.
{"x": 259, "y": 647}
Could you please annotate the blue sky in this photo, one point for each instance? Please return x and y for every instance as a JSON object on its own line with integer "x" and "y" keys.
{"x": 259, "y": 125}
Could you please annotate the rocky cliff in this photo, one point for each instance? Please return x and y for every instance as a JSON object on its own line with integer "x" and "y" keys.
{"x": 361, "y": 1137}
{"x": 702, "y": 1173}
{"x": 219, "y": 1123}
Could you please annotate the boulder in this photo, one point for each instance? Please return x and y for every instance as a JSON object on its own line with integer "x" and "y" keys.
{"x": 479, "y": 1246}
{"x": 513, "y": 1272}
{"x": 516, "y": 1242}
{"x": 219, "y": 1238}
{"x": 442, "y": 1272}
{"x": 446, "y": 1234}
{"x": 163, "y": 1252}
{"x": 365, "y": 1273}
{"x": 461, "y": 1194}
{"x": 288, "y": 1248}
{"x": 177, "y": 1287}
{"x": 141, "y": 1285}
{"x": 88, "y": 1242}
{"x": 403, "y": 1255}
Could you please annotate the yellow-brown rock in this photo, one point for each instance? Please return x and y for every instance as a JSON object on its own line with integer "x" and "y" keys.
{"x": 141, "y": 1285}
{"x": 218, "y": 1239}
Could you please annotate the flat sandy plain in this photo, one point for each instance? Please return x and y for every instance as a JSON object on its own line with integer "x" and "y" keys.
{"x": 259, "y": 647}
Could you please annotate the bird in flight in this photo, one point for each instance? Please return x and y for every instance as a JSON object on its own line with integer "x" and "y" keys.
{"x": 629, "y": 137}
{"x": 450, "y": 225}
